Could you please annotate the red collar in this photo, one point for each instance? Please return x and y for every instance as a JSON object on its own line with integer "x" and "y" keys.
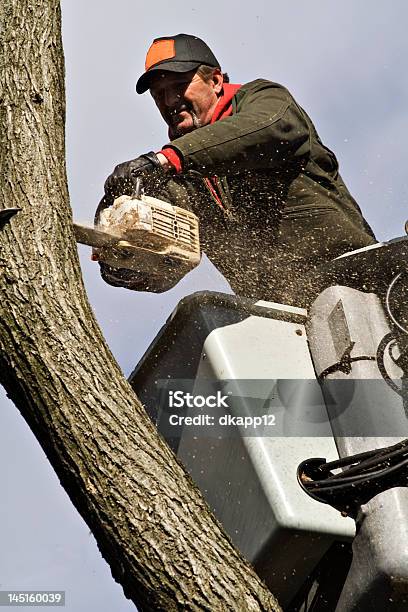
{"x": 224, "y": 106}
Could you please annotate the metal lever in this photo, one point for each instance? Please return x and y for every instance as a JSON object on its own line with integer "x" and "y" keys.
{"x": 138, "y": 188}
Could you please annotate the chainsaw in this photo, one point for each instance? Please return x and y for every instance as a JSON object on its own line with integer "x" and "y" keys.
{"x": 145, "y": 235}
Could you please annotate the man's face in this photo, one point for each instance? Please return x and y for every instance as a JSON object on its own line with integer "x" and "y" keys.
{"x": 184, "y": 100}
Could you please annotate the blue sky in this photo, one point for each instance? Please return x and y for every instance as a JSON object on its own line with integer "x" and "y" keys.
{"x": 344, "y": 63}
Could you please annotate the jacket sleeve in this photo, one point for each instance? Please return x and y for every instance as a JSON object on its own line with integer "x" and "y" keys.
{"x": 268, "y": 129}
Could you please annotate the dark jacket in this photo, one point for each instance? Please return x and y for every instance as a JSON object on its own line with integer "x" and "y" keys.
{"x": 281, "y": 206}
{"x": 285, "y": 208}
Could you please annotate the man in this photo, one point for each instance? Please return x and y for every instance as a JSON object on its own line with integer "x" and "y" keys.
{"x": 249, "y": 162}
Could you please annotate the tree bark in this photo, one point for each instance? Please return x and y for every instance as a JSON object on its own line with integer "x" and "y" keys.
{"x": 150, "y": 522}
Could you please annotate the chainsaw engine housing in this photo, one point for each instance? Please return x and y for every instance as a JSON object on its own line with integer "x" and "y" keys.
{"x": 151, "y": 238}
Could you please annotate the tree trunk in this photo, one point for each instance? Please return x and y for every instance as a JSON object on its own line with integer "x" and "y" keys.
{"x": 150, "y": 521}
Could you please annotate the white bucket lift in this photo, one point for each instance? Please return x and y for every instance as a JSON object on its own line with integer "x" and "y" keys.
{"x": 264, "y": 360}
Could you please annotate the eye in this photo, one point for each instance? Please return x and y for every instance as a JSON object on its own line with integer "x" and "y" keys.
{"x": 159, "y": 90}
{"x": 180, "y": 87}
{"x": 156, "y": 95}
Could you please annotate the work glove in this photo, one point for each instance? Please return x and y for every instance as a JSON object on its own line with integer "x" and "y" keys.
{"x": 137, "y": 281}
{"x": 123, "y": 179}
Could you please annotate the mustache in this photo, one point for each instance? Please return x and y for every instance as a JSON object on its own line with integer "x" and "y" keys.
{"x": 173, "y": 120}
{"x": 172, "y": 113}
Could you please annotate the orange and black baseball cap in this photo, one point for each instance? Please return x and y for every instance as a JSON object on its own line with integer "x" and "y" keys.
{"x": 179, "y": 53}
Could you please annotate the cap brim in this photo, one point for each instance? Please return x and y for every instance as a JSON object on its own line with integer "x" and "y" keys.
{"x": 143, "y": 83}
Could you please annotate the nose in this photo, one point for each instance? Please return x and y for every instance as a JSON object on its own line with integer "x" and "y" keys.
{"x": 171, "y": 98}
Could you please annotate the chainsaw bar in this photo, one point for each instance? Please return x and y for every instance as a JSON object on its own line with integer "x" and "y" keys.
{"x": 86, "y": 234}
